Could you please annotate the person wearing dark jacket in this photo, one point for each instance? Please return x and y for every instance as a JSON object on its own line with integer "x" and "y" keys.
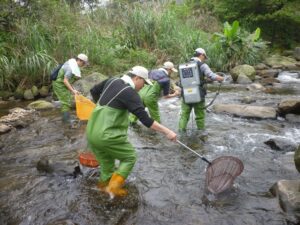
{"x": 108, "y": 125}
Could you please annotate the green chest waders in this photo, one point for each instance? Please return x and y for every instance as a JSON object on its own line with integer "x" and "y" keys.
{"x": 62, "y": 92}
{"x": 149, "y": 95}
{"x": 108, "y": 140}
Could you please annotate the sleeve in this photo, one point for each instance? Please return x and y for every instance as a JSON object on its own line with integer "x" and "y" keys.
{"x": 165, "y": 87}
{"x": 67, "y": 71}
{"x": 207, "y": 72}
{"x": 135, "y": 105}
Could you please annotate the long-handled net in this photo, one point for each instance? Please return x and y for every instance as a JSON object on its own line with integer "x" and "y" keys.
{"x": 221, "y": 172}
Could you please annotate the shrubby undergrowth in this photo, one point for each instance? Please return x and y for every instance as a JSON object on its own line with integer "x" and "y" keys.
{"x": 115, "y": 38}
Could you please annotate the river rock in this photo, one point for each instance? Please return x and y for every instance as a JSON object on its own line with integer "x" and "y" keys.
{"x": 40, "y": 105}
{"x": 44, "y": 91}
{"x": 5, "y": 95}
{"x": 292, "y": 118}
{"x": 243, "y": 79}
{"x": 35, "y": 90}
{"x": 255, "y": 86}
{"x": 65, "y": 168}
{"x": 19, "y": 93}
{"x": 288, "y": 106}
{"x": 281, "y": 144}
{"x": 246, "y": 70}
{"x": 260, "y": 112}
{"x": 280, "y": 62}
{"x": 247, "y": 100}
{"x": 273, "y": 73}
{"x": 288, "y": 193}
{"x": 18, "y": 117}
{"x": 85, "y": 84}
{"x": 297, "y": 158}
{"x": 297, "y": 53}
{"x": 261, "y": 66}
{"x": 269, "y": 81}
{"x": 4, "y": 128}
{"x": 28, "y": 95}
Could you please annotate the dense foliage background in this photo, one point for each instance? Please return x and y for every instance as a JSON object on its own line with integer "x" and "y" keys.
{"x": 36, "y": 34}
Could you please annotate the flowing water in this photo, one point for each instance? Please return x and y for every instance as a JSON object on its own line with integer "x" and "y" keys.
{"x": 167, "y": 185}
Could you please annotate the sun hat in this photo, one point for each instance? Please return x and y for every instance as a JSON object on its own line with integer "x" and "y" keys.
{"x": 201, "y": 51}
{"x": 170, "y": 65}
{"x": 83, "y": 57}
{"x": 141, "y": 72}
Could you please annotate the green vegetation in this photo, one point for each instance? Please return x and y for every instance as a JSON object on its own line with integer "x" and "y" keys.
{"x": 37, "y": 35}
{"x": 278, "y": 19}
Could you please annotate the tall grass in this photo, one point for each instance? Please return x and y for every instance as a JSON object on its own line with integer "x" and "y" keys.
{"x": 114, "y": 38}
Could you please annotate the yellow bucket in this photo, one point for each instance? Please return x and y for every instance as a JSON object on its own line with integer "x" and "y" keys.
{"x": 84, "y": 107}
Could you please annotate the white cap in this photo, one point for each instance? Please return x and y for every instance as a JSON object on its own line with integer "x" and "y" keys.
{"x": 201, "y": 51}
{"x": 83, "y": 57}
{"x": 141, "y": 72}
{"x": 170, "y": 66}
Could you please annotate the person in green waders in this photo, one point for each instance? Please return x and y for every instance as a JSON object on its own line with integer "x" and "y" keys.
{"x": 62, "y": 86}
{"x": 151, "y": 93}
{"x": 199, "y": 108}
{"x": 107, "y": 127}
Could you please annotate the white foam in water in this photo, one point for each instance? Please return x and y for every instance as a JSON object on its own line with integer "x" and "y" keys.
{"x": 287, "y": 77}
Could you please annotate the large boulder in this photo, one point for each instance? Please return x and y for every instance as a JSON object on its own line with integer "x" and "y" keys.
{"x": 288, "y": 193}
{"x": 18, "y": 117}
{"x": 85, "y": 84}
{"x": 259, "y": 112}
{"x": 246, "y": 70}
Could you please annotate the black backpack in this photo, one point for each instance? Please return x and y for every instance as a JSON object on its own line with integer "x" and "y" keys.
{"x": 54, "y": 72}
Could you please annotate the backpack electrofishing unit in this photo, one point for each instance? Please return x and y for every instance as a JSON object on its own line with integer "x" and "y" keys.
{"x": 190, "y": 82}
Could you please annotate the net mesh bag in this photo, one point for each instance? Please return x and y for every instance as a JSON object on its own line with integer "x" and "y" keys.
{"x": 84, "y": 107}
{"x": 222, "y": 172}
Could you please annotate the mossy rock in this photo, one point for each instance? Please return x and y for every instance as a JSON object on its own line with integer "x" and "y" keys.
{"x": 35, "y": 91}
{"x": 40, "y": 105}
{"x": 5, "y": 95}
{"x": 28, "y": 95}
{"x": 19, "y": 93}
{"x": 44, "y": 91}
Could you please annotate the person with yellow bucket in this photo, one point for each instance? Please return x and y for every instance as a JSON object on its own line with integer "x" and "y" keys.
{"x": 62, "y": 86}
{"x": 107, "y": 127}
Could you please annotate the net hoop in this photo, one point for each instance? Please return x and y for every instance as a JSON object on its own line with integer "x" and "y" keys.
{"x": 221, "y": 173}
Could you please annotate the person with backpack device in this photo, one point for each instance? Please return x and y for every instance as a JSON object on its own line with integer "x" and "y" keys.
{"x": 150, "y": 94}
{"x": 190, "y": 101}
{"x": 62, "y": 84}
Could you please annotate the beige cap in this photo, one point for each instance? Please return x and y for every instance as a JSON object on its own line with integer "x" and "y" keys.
{"x": 141, "y": 72}
{"x": 83, "y": 57}
{"x": 170, "y": 66}
{"x": 201, "y": 51}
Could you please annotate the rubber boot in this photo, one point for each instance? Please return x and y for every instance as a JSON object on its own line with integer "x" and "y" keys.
{"x": 66, "y": 117}
{"x": 115, "y": 185}
{"x": 102, "y": 185}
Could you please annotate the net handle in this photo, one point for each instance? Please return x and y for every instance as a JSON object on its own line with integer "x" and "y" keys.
{"x": 202, "y": 157}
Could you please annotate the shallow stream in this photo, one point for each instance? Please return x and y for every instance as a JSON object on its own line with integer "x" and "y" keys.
{"x": 167, "y": 185}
